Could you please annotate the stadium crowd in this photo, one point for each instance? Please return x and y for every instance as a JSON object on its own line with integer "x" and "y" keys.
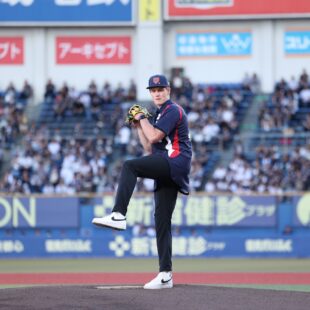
{"x": 47, "y": 162}
{"x": 68, "y": 102}
{"x": 13, "y": 120}
{"x": 269, "y": 172}
{"x": 272, "y": 170}
{"x": 288, "y": 99}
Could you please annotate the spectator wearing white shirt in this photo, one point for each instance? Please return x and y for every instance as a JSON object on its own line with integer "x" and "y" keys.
{"x": 211, "y": 130}
{"x": 304, "y": 96}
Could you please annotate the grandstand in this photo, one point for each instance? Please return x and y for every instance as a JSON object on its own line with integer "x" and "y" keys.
{"x": 91, "y": 119}
{"x": 84, "y": 117}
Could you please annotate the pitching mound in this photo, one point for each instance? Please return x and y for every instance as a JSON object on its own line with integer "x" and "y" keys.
{"x": 187, "y": 297}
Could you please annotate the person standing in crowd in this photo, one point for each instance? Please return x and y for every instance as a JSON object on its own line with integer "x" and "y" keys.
{"x": 166, "y": 138}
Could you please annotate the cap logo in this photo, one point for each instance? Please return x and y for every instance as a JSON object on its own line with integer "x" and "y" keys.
{"x": 156, "y": 80}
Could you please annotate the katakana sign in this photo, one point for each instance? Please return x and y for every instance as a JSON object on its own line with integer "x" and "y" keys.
{"x": 11, "y": 50}
{"x": 93, "y": 50}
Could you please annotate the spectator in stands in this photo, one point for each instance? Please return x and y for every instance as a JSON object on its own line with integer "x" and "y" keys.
{"x": 62, "y": 103}
{"x": 119, "y": 94}
{"x": 50, "y": 91}
{"x": 246, "y": 81}
{"x": 107, "y": 92}
{"x": 251, "y": 83}
{"x": 122, "y": 138}
{"x": 211, "y": 130}
{"x": 80, "y": 107}
{"x": 219, "y": 173}
{"x": 26, "y": 92}
{"x": 303, "y": 80}
{"x": 59, "y": 164}
{"x": 10, "y": 94}
{"x": 281, "y": 85}
{"x": 196, "y": 176}
{"x": 305, "y": 96}
{"x": 177, "y": 83}
{"x": 306, "y": 123}
{"x": 285, "y": 109}
{"x": 226, "y": 117}
{"x": 92, "y": 89}
{"x": 293, "y": 84}
{"x": 270, "y": 172}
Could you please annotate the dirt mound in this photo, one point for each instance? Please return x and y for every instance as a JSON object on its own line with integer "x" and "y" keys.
{"x": 187, "y": 297}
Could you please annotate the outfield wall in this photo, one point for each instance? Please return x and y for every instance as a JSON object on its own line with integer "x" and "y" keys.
{"x": 203, "y": 226}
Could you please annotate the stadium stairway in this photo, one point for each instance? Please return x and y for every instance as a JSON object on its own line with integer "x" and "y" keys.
{"x": 75, "y": 126}
{"x": 248, "y": 126}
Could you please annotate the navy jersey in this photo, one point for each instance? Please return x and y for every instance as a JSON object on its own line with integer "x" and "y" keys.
{"x": 176, "y": 145}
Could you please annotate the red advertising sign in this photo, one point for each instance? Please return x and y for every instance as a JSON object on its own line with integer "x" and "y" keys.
{"x": 212, "y": 9}
{"x": 93, "y": 50}
{"x": 11, "y": 50}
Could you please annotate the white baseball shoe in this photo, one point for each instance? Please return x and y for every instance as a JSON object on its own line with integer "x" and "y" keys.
{"x": 163, "y": 280}
{"x": 115, "y": 220}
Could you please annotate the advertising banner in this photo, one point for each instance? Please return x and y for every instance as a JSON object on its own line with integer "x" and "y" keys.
{"x": 196, "y": 210}
{"x": 66, "y": 11}
{"x": 149, "y": 10}
{"x": 234, "y": 9}
{"x": 120, "y": 245}
{"x": 201, "y": 210}
{"x": 11, "y": 50}
{"x": 35, "y": 212}
{"x": 93, "y": 50}
{"x": 301, "y": 216}
{"x": 213, "y": 44}
{"x": 297, "y": 43}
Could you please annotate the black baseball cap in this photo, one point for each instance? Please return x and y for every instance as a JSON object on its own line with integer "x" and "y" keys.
{"x": 158, "y": 80}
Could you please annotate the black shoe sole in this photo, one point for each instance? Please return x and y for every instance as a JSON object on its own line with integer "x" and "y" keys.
{"x": 106, "y": 226}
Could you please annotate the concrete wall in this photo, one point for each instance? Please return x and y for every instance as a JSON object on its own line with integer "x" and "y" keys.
{"x": 268, "y": 59}
{"x": 153, "y": 51}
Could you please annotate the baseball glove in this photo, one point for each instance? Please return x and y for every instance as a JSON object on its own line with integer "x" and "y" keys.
{"x": 133, "y": 111}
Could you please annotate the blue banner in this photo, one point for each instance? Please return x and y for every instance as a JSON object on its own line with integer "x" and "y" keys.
{"x": 200, "y": 210}
{"x": 297, "y": 42}
{"x": 119, "y": 245}
{"x": 195, "y": 210}
{"x": 301, "y": 216}
{"x": 34, "y": 212}
{"x": 66, "y": 11}
{"x": 214, "y": 44}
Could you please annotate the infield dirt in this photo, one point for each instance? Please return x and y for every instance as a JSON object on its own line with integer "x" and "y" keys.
{"x": 183, "y": 297}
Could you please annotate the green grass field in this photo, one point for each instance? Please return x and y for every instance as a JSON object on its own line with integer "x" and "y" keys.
{"x": 151, "y": 265}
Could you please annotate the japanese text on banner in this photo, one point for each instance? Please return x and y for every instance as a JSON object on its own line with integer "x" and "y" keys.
{"x": 93, "y": 50}
{"x": 11, "y": 50}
